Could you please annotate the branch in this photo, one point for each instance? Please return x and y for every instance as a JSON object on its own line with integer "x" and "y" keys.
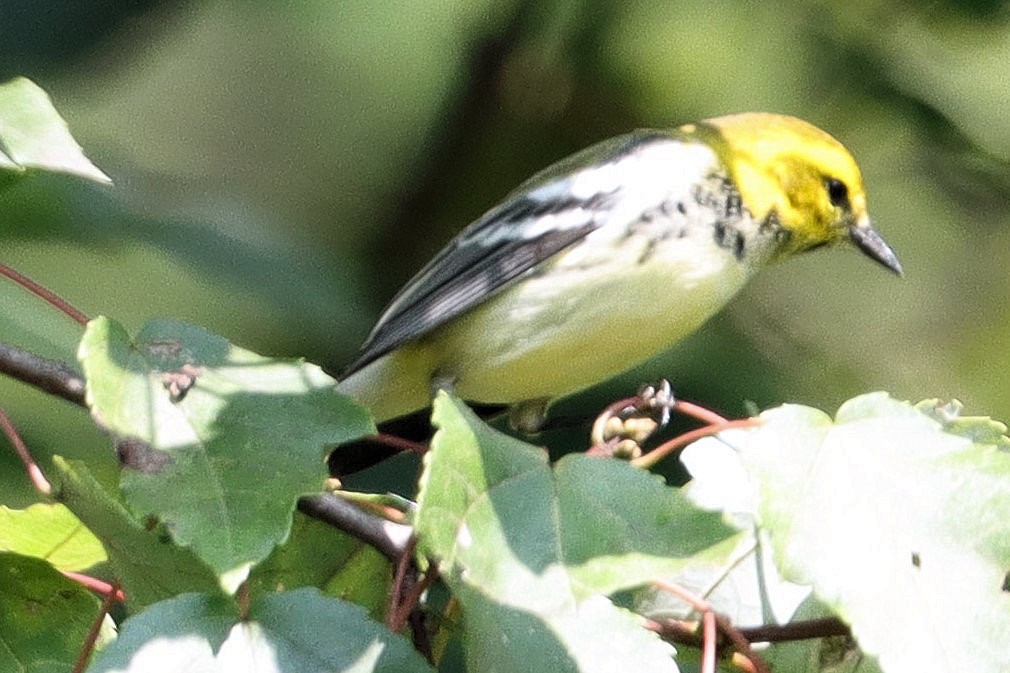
{"x": 813, "y": 628}
{"x": 57, "y": 378}
{"x": 391, "y": 539}
{"x": 50, "y": 376}
{"x": 35, "y": 474}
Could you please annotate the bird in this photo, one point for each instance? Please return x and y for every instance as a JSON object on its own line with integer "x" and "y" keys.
{"x": 607, "y": 258}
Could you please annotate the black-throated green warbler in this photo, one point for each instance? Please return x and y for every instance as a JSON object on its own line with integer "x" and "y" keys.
{"x": 607, "y": 258}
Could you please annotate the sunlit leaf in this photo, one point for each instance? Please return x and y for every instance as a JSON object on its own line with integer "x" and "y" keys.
{"x": 532, "y": 552}
{"x": 900, "y": 525}
{"x": 52, "y": 533}
{"x": 299, "y": 630}
{"x": 34, "y": 136}
{"x": 228, "y": 439}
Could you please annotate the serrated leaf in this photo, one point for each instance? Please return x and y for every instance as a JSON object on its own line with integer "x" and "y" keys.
{"x": 34, "y": 136}
{"x": 621, "y": 526}
{"x": 520, "y": 543}
{"x": 902, "y": 527}
{"x": 44, "y": 617}
{"x": 52, "y": 533}
{"x": 296, "y": 631}
{"x": 232, "y": 438}
{"x": 147, "y": 564}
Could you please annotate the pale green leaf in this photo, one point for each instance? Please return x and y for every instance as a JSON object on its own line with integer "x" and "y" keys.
{"x": 145, "y": 561}
{"x": 900, "y": 523}
{"x": 34, "y": 136}
{"x": 52, "y": 533}
{"x": 532, "y": 552}
{"x": 298, "y": 631}
{"x": 228, "y": 439}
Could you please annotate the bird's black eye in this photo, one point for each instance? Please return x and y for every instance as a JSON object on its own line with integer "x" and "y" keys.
{"x": 838, "y": 193}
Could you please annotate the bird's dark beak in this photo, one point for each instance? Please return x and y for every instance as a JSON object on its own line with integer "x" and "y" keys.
{"x": 869, "y": 241}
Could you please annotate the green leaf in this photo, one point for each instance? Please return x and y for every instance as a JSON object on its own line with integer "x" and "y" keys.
{"x": 147, "y": 564}
{"x": 591, "y": 636}
{"x": 50, "y": 532}
{"x": 743, "y": 584}
{"x": 981, "y": 429}
{"x": 232, "y": 438}
{"x": 296, "y": 628}
{"x": 179, "y": 634}
{"x": 299, "y": 630}
{"x": 900, "y": 525}
{"x": 34, "y": 136}
{"x": 317, "y": 554}
{"x": 44, "y": 617}
{"x": 531, "y": 552}
{"x": 621, "y": 526}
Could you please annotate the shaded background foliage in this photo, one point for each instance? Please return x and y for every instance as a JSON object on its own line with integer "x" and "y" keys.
{"x": 281, "y": 168}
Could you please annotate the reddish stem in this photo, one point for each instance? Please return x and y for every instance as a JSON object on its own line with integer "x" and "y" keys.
{"x": 698, "y": 603}
{"x": 399, "y": 443}
{"x": 98, "y": 586}
{"x": 698, "y": 412}
{"x": 38, "y": 479}
{"x": 680, "y": 441}
{"x": 61, "y": 304}
{"x": 96, "y": 628}
{"x": 410, "y": 599}
{"x": 733, "y": 634}
{"x": 741, "y": 644}
{"x": 395, "y": 619}
{"x": 708, "y": 642}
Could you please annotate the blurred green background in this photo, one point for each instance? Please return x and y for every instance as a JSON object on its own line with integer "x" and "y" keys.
{"x": 282, "y": 168}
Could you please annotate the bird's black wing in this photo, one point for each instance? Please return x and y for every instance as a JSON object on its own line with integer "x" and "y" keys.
{"x": 498, "y": 249}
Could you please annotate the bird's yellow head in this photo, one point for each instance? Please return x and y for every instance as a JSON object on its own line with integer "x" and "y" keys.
{"x": 788, "y": 168}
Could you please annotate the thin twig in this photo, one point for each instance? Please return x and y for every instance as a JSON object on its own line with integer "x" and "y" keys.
{"x": 96, "y": 628}
{"x": 420, "y": 635}
{"x": 740, "y": 643}
{"x": 48, "y": 295}
{"x": 405, "y": 598}
{"x": 697, "y": 603}
{"x": 94, "y": 584}
{"x": 401, "y": 578}
{"x": 732, "y": 633}
{"x": 406, "y": 591}
{"x": 398, "y": 443}
{"x": 708, "y": 642}
{"x": 680, "y": 441}
{"x": 676, "y": 631}
{"x": 38, "y": 479}
{"x": 698, "y": 412}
